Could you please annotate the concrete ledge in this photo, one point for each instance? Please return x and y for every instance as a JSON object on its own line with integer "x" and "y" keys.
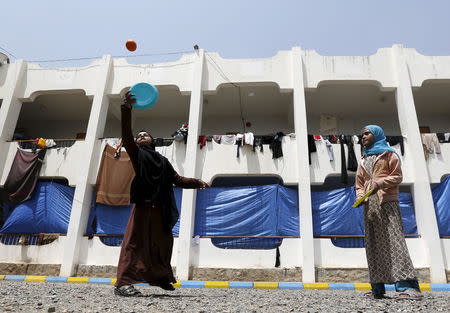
{"x": 257, "y": 275}
{"x": 30, "y": 269}
{"x": 107, "y": 271}
{"x": 336, "y": 275}
{"x": 348, "y": 275}
{"x": 219, "y": 284}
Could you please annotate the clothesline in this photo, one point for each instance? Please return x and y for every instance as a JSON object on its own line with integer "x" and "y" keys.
{"x": 32, "y": 140}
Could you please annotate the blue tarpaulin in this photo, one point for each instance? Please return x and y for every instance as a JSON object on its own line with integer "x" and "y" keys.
{"x": 288, "y": 219}
{"x": 269, "y": 210}
{"x": 441, "y": 199}
{"x": 256, "y": 211}
{"x": 48, "y": 211}
{"x": 264, "y": 211}
{"x": 333, "y": 213}
{"x": 237, "y": 211}
{"x": 253, "y": 211}
{"x": 112, "y": 219}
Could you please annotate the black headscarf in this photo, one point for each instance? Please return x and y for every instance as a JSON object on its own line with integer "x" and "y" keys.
{"x": 153, "y": 182}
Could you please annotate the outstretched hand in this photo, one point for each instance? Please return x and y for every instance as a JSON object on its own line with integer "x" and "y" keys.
{"x": 203, "y": 184}
{"x": 128, "y": 100}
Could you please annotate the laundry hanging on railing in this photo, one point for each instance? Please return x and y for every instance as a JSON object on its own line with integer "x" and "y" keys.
{"x": 48, "y": 211}
{"x": 443, "y": 137}
{"x": 430, "y": 144}
{"x": 114, "y": 178}
{"x": 441, "y": 201}
{"x": 396, "y": 140}
{"x": 23, "y": 175}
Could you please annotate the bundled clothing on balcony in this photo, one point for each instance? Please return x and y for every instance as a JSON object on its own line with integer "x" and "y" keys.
{"x": 181, "y": 133}
{"x": 23, "y": 175}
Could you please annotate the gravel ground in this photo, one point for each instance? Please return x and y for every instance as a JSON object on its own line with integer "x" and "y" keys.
{"x": 63, "y": 297}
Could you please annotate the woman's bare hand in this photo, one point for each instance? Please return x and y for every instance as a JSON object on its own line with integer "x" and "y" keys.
{"x": 128, "y": 100}
{"x": 203, "y": 184}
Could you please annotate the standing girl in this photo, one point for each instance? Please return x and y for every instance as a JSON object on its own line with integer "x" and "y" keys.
{"x": 387, "y": 254}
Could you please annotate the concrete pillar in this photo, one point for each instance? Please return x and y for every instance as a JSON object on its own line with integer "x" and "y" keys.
{"x": 187, "y": 217}
{"x": 304, "y": 179}
{"x": 10, "y": 109}
{"x": 423, "y": 201}
{"x": 84, "y": 187}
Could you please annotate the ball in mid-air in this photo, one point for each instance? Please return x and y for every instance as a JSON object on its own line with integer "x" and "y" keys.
{"x": 131, "y": 45}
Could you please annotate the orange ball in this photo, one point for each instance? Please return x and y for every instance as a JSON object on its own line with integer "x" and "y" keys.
{"x": 131, "y": 45}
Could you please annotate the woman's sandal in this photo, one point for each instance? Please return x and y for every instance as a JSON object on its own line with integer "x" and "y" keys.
{"x": 127, "y": 291}
{"x": 409, "y": 294}
{"x": 371, "y": 295}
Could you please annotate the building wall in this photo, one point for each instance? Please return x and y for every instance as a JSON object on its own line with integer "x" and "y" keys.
{"x": 216, "y": 159}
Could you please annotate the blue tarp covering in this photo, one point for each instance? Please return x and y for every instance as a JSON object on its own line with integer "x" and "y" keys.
{"x": 48, "y": 211}
{"x": 237, "y": 211}
{"x": 441, "y": 199}
{"x": 333, "y": 213}
{"x": 260, "y": 211}
{"x": 112, "y": 220}
{"x": 269, "y": 210}
{"x": 288, "y": 219}
{"x": 247, "y": 243}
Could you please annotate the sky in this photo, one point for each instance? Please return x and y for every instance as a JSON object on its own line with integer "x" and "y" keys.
{"x": 51, "y": 30}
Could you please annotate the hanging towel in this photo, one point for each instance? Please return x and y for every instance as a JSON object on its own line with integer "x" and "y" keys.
{"x": 329, "y": 146}
{"x": 217, "y": 138}
{"x": 311, "y": 146}
{"x": 23, "y": 175}
{"x": 114, "y": 178}
{"x": 275, "y": 146}
{"x": 202, "y": 141}
{"x": 447, "y": 137}
{"x": 352, "y": 163}
{"x": 344, "y": 174}
{"x": 49, "y": 143}
{"x": 430, "y": 144}
{"x": 239, "y": 139}
{"x": 258, "y": 142}
{"x": 228, "y": 139}
{"x": 249, "y": 139}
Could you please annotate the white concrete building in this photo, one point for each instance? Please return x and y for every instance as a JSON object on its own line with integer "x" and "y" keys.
{"x": 397, "y": 88}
